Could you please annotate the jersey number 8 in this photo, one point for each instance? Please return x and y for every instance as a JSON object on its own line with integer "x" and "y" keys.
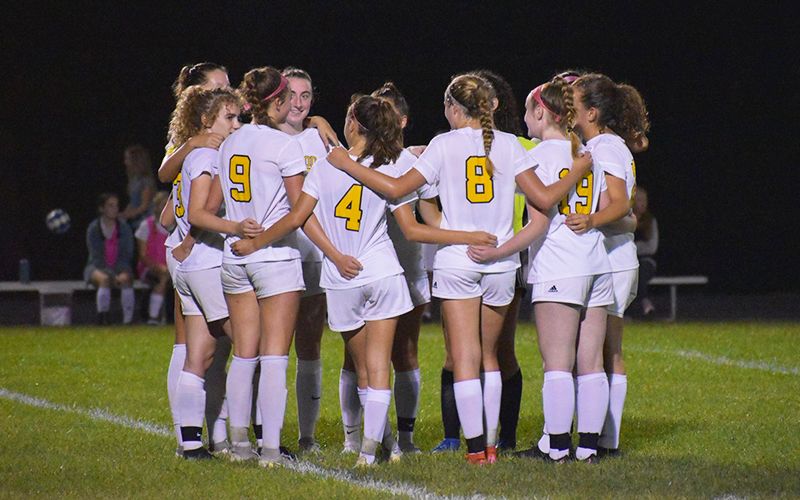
{"x": 584, "y": 192}
{"x": 480, "y": 185}
{"x": 240, "y": 178}
{"x": 349, "y": 208}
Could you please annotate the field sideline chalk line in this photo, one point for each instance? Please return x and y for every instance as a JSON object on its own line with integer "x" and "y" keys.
{"x": 722, "y": 360}
{"x": 392, "y": 488}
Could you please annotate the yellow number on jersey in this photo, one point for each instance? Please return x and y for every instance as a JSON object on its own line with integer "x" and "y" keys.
{"x": 585, "y": 191}
{"x": 180, "y": 210}
{"x": 480, "y": 185}
{"x": 349, "y": 207}
{"x": 633, "y": 191}
{"x": 310, "y": 160}
{"x": 240, "y": 177}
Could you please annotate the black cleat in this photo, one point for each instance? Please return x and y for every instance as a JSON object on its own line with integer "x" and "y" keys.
{"x": 198, "y": 454}
{"x": 607, "y": 452}
{"x": 504, "y": 446}
{"x": 287, "y": 454}
{"x": 533, "y": 454}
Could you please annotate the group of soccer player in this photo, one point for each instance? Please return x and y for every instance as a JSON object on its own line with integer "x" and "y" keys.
{"x": 277, "y": 229}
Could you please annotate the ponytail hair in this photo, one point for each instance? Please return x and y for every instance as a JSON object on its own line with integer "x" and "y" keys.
{"x": 475, "y": 94}
{"x": 558, "y": 99}
{"x": 194, "y": 104}
{"x": 390, "y": 91}
{"x": 506, "y": 114}
{"x": 377, "y": 120}
{"x": 621, "y": 107}
{"x": 260, "y": 88}
{"x": 194, "y": 75}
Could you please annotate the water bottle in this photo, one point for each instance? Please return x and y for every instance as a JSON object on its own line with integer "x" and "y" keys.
{"x": 24, "y": 271}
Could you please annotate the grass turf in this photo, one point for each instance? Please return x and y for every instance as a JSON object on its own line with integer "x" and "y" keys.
{"x": 712, "y": 411}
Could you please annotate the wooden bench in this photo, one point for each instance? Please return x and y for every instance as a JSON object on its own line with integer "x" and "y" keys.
{"x": 55, "y": 297}
{"x": 672, "y": 282}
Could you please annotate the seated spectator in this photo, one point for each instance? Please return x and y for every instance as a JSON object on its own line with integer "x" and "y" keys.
{"x": 141, "y": 184}
{"x": 110, "y": 244}
{"x": 152, "y": 269}
{"x": 646, "y": 239}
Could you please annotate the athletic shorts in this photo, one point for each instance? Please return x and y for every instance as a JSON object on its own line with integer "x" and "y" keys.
{"x": 265, "y": 278}
{"x": 351, "y": 308}
{"x": 201, "y": 293}
{"x": 311, "y": 274}
{"x": 420, "y": 290}
{"x": 172, "y": 265}
{"x": 583, "y": 291}
{"x": 626, "y": 285}
{"x": 497, "y": 289}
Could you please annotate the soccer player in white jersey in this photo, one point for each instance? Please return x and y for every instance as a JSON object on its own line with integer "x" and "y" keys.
{"x": 197, "y": 274}
{"x": 608, "y": 115}
{"x": 477, "y": 193}
{"x": 367, "y": 306}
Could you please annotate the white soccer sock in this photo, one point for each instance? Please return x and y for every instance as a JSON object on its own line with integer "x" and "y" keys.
{"x": 362, "y": 397}
{"x": 592, "y": 407}
{"x": 617, "y": 390}
{"x": 239, "y": 392}
{"x": 192, "y": 403}
{"x": 272, "y": 398}
{"x": 259, "y": 421}
{"x": 103, "y": 299}
{"x": 376, "y": 410}
{"x": 350, "y": 405}
{"x": 558, "y": 401}
{"x": 308, "y": 387}
{"x": 492, "y": 390}
{"x": 406, "y": 403}
{"x": 128, "y": 304}
{"x": 156, "y": 299}
{"x": 469, "y": 402}
{"x": 173, "y": 373}
{"x": 220, "y": 432}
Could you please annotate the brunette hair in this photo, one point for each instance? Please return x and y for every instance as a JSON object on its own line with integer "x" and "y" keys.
{"x": 194, "y": 75}
{"x": 260, "y": 88}
{"x": 103, "y": 198}
{"x": 194, "y": 104}
{"x": 506, "y": 115}
{"x": 558, "y": 98}
{"x": 390, "y": 91}
{"x": 621, "y": 107}
{"x": 377, "y": 120}
{"x": 474, "y": 94}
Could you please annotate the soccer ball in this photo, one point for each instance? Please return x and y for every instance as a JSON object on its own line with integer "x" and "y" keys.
{"x": 58, "y": 221}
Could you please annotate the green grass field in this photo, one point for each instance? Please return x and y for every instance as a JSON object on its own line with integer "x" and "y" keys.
{"x": 712, "y": 412}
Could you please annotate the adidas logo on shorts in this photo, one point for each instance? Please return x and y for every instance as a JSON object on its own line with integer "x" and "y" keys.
{"x": 553, "y": 289}
{"x": 435, "y": 285}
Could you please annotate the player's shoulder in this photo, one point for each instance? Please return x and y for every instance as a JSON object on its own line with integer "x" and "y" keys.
{"x": 200, "y": 158}
{"x": 405, "y": 161}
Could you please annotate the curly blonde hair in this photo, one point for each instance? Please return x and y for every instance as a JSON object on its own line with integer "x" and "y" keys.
{"x": 194, "y": 104}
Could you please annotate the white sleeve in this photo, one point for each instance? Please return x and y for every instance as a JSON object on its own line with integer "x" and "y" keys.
{"x": 609, "y": 162}
{"x": 143, "y": 231}
{"x": 311, "y": 182}
{"x": 522, "y": 160}
{"x": 291, "y": 159}
{"x": 430, "y": 162}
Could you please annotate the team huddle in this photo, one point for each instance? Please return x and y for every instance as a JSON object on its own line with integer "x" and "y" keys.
{"x": 276, "y": 228}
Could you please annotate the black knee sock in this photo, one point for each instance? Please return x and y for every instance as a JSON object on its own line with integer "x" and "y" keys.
{"x": 450, "y": 421}
{"x": 510, "y": 400}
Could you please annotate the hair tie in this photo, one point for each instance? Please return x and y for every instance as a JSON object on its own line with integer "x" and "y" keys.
{"x": 537, "y": 96}
{"x": 570, "y": 79}
{"x": 246, "y": 106}
{"x": 281, "y": 86}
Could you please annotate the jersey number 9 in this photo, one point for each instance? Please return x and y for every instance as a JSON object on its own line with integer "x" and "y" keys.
{"x": 349, "y": 208}
{"x": 480, "y": 185}
{"x": 240, "y": 178}
{"x": 584, "y": 193}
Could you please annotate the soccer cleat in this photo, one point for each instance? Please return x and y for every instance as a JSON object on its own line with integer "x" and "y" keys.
{"x": 179, "y": 451}
{"x": 153, "y": 322}
{"x": 308, "y": 445}
{"x": 287, "y": 454}
{"x": 239, "y": 452}
{"x": 393, "y": 455}
{"x": 351, "y": 448}
{"x": 478, "y": 458}
{"x": 607, "y": 452}
{"x": 591, "y": 460}
{"x": 534, "y": 454}
{"x": 491, "y": 454}
{"x": 447, "y": 444}
{"x": 409, "y": 448}
{"x": 362, "y": 462}
{"x": 198, "y": 454}
{"x": 221, "y": 449}
{"x": 272, "y": 458}
{"x": 503, "y": 446}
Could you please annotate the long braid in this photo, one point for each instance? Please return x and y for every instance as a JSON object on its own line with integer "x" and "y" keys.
{"x": 475, "y": 94}
{"x": 558, "y": 96}
{"x": 487, "y": 123}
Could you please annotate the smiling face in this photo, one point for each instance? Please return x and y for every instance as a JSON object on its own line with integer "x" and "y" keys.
{"x": 227, "y": 120}
{"x": 300, "y": 101}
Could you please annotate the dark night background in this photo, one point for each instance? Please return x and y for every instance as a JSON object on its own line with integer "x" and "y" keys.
{"x": 81, "y": 83}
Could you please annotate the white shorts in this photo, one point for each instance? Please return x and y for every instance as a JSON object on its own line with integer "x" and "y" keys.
{"x": 420, "y": 290}
{"x": 266, "y": 278}
{"x": 351, "y": 308}
{"x": 201, "y": 294}
{"x": 497, "y": 289}
{"x": 626, "y": 285}
{"x": 172, "y": 265}
{"x": 311, "y": 274}
{"x": 584, "y": 291}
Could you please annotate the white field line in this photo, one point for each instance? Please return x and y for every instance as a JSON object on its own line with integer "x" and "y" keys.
{"x": 307, "y": 468}
{"x": 722, "y": 360}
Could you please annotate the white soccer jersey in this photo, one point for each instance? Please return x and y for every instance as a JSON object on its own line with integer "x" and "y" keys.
{"x": 253, "y": 162}
{"x": 408, "y": 252}
{"x": 354, "y": 218}
{"x": 471, "y": 200}
{"x": 610, "y": 154}
{"x": 313, "y": 149}
{"x": 562, "y": 253}
{"x": 207, "y": 252}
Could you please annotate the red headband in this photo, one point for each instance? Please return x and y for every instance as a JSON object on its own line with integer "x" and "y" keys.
{"x": 281, "y": 86}
{"x": 570, "y": 79}
{"x": 537, "y": 95}
{"x": 353, "y": 114}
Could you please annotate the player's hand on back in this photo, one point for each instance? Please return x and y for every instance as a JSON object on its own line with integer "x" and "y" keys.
{"x": 210, "y": 140}
{"x": 243, "y": 247}
{"x": 337, "y": 156}
{"x": 482, "y": 238}
{"x": 249, "y": 228}
{"x": 416, "y": 150}
{"x": 482, "y": 254}
{"x": 583, "y": 163}
{"x": 348, "y": 266}
{"x": 579, "y": 223}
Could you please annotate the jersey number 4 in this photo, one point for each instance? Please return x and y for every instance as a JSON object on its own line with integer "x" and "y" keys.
{"x": 349, "y": 208}
{"x": 584, "y": 192}
{"x": 480, "y": 185}
{"x": 240, "y": 178}
{"x": 180, "y": 210}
